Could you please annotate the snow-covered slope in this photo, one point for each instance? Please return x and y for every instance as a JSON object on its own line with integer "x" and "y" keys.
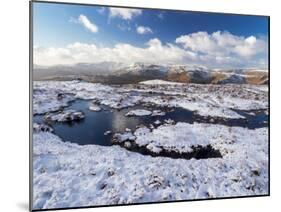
{"x": 69, "y": 175}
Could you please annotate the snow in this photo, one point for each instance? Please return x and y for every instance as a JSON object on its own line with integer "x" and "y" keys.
{"x": 183, "y": 137}
{"x": 69, "y": 175}
{"x": 199, "y": 105}
{"x": 205, "y": 100}
{"x": 42, "y": 127}
{"x": 122, "y": 137}
{"x": 107, "y": 132}
{"x": 238, "y": 103}
{"x": 143, "y": 112}
{"x": 46, "y": 91}
{"x": 139, "y": 112}
{"x": 94, "y": 107}
{"x": 49, "y": 99}
{"x": 178, "y": 138}
{"x": 160, "y": 82}
{"x": 157, "y": 122}
{"x": 203, "y": 108}
{"x": 169, "y": 121}
{"x": 65, "y": 116}
{"x": 211, "y": 100}
{"x": 158, "y": 113}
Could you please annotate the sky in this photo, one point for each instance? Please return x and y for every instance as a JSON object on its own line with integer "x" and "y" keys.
{"x": 66, "y": 34}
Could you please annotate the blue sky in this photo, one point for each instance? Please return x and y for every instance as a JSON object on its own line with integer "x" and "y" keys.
{"x": 58, "y": 25}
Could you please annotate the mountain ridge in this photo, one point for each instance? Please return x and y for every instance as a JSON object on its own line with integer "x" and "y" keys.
{"x": 119, "y": 73}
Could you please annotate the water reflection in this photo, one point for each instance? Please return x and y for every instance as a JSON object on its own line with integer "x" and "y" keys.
{"x": 91, "y": 130}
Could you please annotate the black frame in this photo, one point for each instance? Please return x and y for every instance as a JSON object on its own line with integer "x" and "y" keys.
{"x": 31, "y": 107}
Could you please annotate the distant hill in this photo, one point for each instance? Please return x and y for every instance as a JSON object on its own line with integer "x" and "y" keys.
{"x": 118, "y": 73}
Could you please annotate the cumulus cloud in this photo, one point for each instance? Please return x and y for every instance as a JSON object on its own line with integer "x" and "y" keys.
{"x": 216, "y": 50}
{"x": 143, "y": 30}
{"x": 124, "y": 13}
{"x": 87, "y": 23}
{"x": 153, "y": 52}
{"x": 222, "y": 44}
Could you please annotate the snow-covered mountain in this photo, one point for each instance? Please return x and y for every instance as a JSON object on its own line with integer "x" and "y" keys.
{"x": 141, "y": 68}
{"x": 119, "y": 73}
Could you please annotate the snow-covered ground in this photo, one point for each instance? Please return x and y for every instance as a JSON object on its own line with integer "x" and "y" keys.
{"x": 183, "y": 137}
{"x": 65, "y": 116}
{"x": 206, "y": 100}
{"x": 41, "y": 128}
{"x": 47, "y": 98}
{"x": 71, "y": 175}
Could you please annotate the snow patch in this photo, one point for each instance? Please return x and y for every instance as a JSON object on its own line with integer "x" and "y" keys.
{"x": 139, "y": 112}
{"x": 94, "y": 107}
{"x": 160, "y": 82}
{"x": 65, "y": 116}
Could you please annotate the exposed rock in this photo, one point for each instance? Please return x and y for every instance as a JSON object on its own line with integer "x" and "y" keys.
{"x": 41, "y": 128}
{"x": 65, "y": 116}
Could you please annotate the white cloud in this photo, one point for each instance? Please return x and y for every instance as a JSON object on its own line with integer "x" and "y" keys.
{"x": 222, "y": 44}
{"x": 251, "y": 40}
{"x": 155, "y": 42}
{"x": 216, "y": 50}
{"x": 154, "y": 52}
{"x": 143, "y": 30}
{"x": 87, "y": 23}
{"x": 124, "y": 13}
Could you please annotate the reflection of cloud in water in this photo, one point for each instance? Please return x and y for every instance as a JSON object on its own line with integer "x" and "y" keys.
{"x": 120, "y": 122}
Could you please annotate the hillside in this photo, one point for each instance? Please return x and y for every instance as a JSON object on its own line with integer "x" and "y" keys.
{"x": 118, "y": 73}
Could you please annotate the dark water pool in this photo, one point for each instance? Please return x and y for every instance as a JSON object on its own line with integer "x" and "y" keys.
{"x": 91, "y": 129}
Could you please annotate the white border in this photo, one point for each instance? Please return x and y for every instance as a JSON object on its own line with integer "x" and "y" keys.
{"x": 15, "y": 104}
